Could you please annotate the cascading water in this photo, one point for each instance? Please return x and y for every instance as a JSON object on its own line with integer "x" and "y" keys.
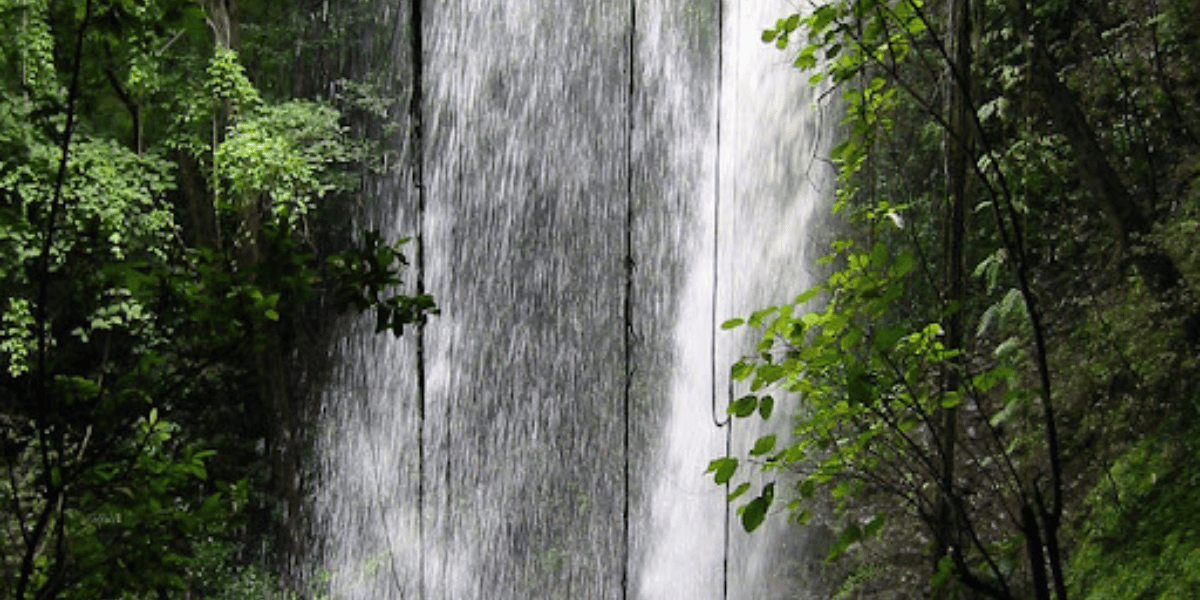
{"x": 593, "y": 184}
{"x": 768, "y": 183}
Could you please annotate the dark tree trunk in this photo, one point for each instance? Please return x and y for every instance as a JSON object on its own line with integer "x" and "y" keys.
{"x": 957, "y": 154}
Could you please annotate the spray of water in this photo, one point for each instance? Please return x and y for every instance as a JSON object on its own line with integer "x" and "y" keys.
{"x": 601, "y": 182}
{"x": 768, "y": 185}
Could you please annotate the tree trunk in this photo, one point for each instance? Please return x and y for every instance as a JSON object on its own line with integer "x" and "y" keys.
{"x": 1129, "y": 223}
{"x": 957, "y": 153}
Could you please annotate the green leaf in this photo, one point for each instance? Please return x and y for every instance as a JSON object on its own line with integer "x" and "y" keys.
{"x": 741, "y": 370}
{"x": 765, "y": 406}
{"x": 879, "y": 255}
{"x": 753, "y": 514}
{"x": 840, "y": 490}
{"x": 211, "y": 504}
{"x": 875, "y": 526}
{"x": 843, "y": 151}
{"x": 805, "y": 60}
{"x": 723, "y": 469}
{"x": 771, "y": 373}
{"x": 731, "y": 323}
{"x": 885, "y": 339}
{"x": 768, "y": 35}
{"x": 945, "y": 565}
{"x": 903, "y": 264}
{"x": 193, "y": 21}
{"x": 1007, "y": 347}
{"x": 807, "y": 295}
{"x": 858, "y": 387}
{"x": 1014, "y": 401}
{"x": 850, "y": 535}
{"x": 916, "y": 25}
{"x": 744, "y": 406}
{"x": 881, "y": 304}
{"x": 988, "y": 379}
{"x": 808, "y": 488}
{"x": 822, "y": 17}
{"x": 986, "y": 319}
{"x": 756, "y": 317}
{"x": 741, "y": 489}
{"x": 951, "y": 399}
{"x": 197, "y": 469}
{"x": 850, "y": 338}
{"x": 763, "y": 445}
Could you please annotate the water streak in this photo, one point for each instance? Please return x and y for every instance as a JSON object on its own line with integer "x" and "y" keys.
{"x": 561, "y": 140}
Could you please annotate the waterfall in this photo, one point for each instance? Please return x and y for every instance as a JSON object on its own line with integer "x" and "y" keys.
{"x": 598, "y": 182}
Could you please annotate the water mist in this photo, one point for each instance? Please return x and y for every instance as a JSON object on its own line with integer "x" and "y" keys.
{"x": 600, "y": 185}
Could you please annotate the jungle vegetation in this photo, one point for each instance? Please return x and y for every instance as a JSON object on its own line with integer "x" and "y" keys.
{"x": 172, "y": 229}
{"x": 993, "y": 393}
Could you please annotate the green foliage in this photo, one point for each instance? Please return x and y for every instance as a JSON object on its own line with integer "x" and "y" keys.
{"x": 157, "y": 217}
{"x": 216, "y": 567}
{"x": 285, "y": 152}
{"x": 366, "y": 278}
{"x": 226, "y": 81}
{"x": 1136, "y": 541}
{"x": 952, "y": 391}
{"x": 845, "y": 38}
{"x": 865, "y": 379}
{"x": 137, "y": 500}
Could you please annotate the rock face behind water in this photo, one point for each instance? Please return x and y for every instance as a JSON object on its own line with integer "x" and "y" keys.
{"x": 546, "y": 437}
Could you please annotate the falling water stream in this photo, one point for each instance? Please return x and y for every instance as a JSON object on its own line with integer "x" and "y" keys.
{"x": 595, "y": 186}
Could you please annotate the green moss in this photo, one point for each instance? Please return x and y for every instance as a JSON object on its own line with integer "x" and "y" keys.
{"x": 1140, "y": 539}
